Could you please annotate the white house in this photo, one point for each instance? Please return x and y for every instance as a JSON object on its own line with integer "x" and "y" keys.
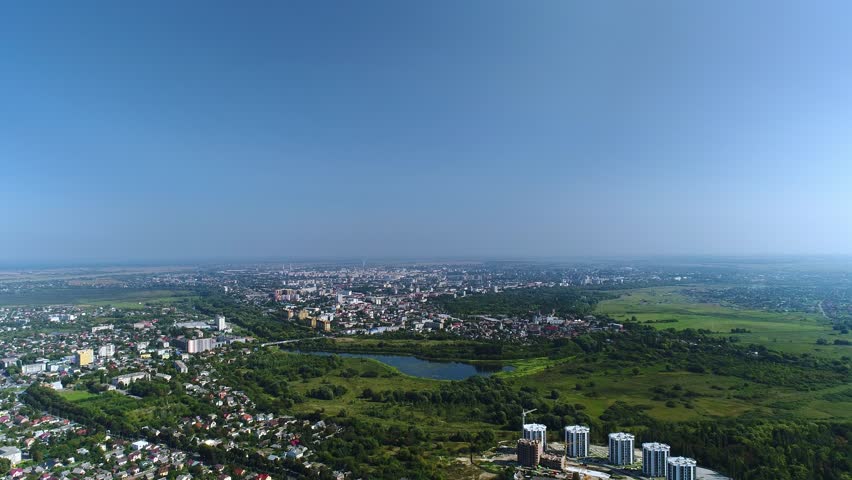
{"x": 12, "y": 453}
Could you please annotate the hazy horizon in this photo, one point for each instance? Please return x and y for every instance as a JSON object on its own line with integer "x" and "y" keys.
{"x": 159, "y": 131}
{"x": 812, "y": 261}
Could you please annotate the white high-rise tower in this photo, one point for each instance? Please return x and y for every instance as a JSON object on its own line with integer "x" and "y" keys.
{"x": 577, "y": 441}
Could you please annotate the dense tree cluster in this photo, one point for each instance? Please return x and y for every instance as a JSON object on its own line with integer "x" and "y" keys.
{"x": 142, "y": 388}
{"x": 327, "y": 392}
{"x": 264, "y": 376}
{"x": 525, "y": 301}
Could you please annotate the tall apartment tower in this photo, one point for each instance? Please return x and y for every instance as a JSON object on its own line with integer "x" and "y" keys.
{"x": 577, "y": 441}
{"x": 84, "y": 357}
{"x": 655, "y": 457}
{"x": 620, "y": 448}
{"x": 680, "y": 468}
{"x": 536, "y": 431}
{"x": 529, "y": 452}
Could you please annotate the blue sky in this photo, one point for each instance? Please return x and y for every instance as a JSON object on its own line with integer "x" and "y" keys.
{"x": 178, "y": 130}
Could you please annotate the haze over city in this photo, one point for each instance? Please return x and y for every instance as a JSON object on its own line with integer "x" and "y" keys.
{"x": 191, "y": 130}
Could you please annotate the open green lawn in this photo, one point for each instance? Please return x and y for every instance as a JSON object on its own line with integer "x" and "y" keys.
{"x": 788, "y": 332}
{"x": 76, "y": 395}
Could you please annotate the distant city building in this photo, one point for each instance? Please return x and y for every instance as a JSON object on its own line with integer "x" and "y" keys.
{"x": 8, "y": 361}
{"x": 181, "y": 367}
{"x": 654, "y": 459}
{"x": 620, "y": 448}
{"x": 197, "y": 345}
{"x": 220, "y": 323}
{"x": 529, "y": 452}
{"x": 33, "y": 368}
{"x": 536, "y": 431}
{"x": 680, "y": 468}
{"x": 106, "y": 351}
{"x": 326, "y": 325}
{"x": 577, "y": 441}
{"x": 101, "y": 328}
{"x": 84, "y": 357}
{"x": 128, "y": 378}
{"x": 286, "y": 295}
{"x": 195, "y": 324}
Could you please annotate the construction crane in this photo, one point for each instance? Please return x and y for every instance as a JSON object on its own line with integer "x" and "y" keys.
{"x": 524, "y": 417}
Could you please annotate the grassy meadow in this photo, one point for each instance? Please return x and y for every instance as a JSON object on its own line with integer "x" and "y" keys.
{"x": 670, "y": 308}
{"x": 695, "y": 396}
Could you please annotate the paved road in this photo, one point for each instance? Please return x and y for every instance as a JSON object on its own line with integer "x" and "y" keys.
{"x": 822, "y": 311}
{"x": 282, "y": 342}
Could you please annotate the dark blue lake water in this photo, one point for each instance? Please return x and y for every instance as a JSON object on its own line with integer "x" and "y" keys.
{"x": 417, "y": 367}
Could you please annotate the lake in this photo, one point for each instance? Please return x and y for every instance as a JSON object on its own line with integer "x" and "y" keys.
{"x": 417, "y": 367}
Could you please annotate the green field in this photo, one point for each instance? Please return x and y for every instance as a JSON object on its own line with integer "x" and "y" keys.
{"x": 125, "y": 298}
{"x": 715, "y": 396}
{"x": 76, "y": 395}
{"x": 387, "y": 378}
{"x": 787, "y": 332}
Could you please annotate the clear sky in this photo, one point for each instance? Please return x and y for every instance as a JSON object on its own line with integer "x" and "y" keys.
{"x": 200, "y": 129}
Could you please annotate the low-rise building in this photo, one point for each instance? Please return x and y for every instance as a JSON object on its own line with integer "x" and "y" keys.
{"x": 128, "y": 378}
{"x": 106, "y": 351}
{"x": 554, "y": 462}
{"x": 13, "y": 454}
{"x": 33, "y": 368}
{"x": 181, "y": 367}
